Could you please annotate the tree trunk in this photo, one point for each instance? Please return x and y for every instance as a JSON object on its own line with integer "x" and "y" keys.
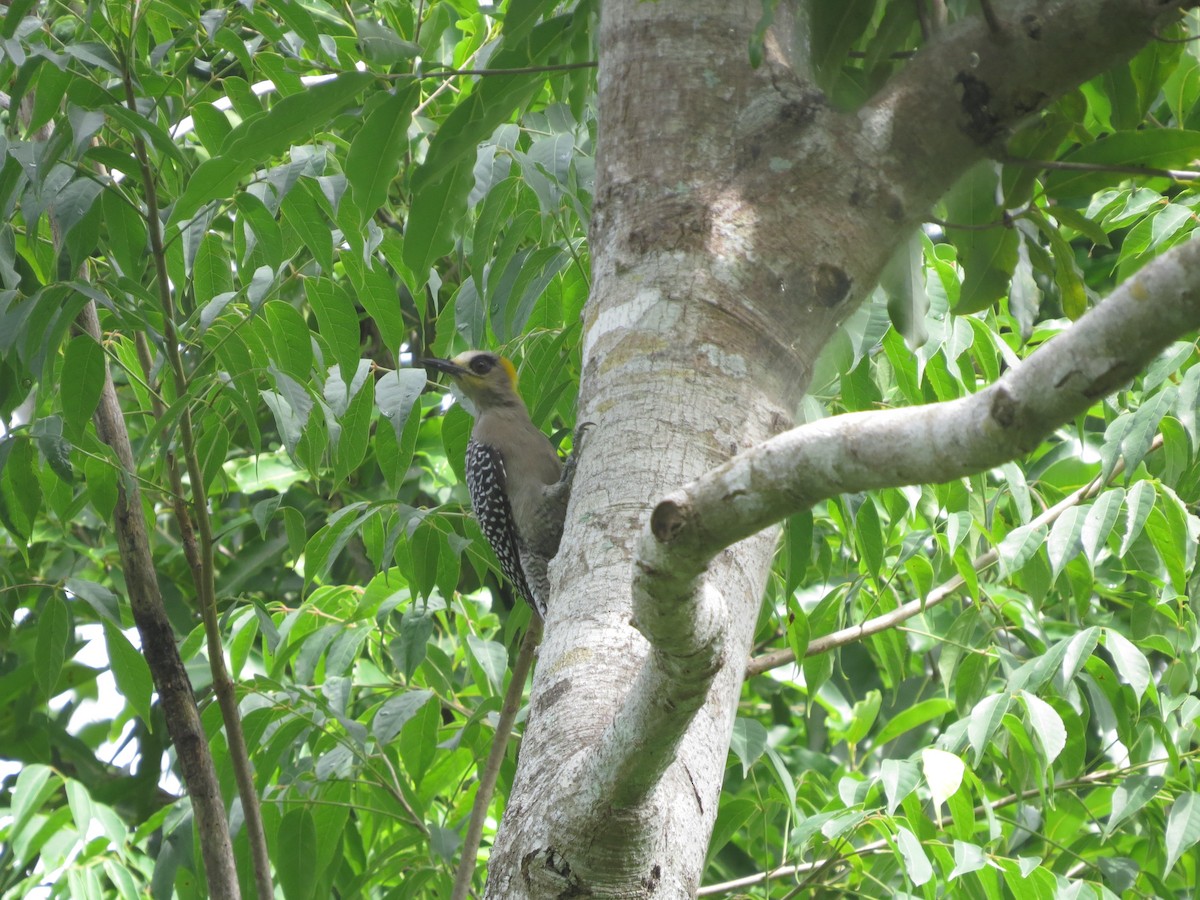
{"x": 738, "y": 220}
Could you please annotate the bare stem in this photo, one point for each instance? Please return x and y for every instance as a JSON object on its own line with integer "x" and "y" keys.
{"x": 491, "y": 769}
{"x": 200, "y": 559}
{"x": 939, "y": 594}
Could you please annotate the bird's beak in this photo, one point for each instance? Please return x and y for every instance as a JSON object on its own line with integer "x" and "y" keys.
{"x": 444, "y": 365}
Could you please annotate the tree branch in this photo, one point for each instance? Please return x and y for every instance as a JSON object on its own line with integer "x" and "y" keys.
{"x": 686, "y": 634}
{"x": 939, "y": 594}
{"x": 965, "y": 91}
{"x": 158, "y": 643}
{"x": 491, "y": 768}
{"x": 871, "y": 175}
{"x": 919, "y": 445}
{"x": 200, "y": 558}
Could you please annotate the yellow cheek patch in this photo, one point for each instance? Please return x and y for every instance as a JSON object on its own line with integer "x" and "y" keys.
{"x": 511, "y": 370}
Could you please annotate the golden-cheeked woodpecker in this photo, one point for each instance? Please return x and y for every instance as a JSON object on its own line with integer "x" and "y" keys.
{"x": 518, "y": 486}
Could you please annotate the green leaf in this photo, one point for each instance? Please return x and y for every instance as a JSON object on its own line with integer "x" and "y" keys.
{"x": 943, "y": 773}
{"x": 1131, "y": 663}
{"x": 130, "y": 671}
{"x": 344, "y": 650}
{"x": 296, "y": 852}
{"x": 1019, "y": 546}
{"x": 522, "y": 15}
{"x": 53, "y": 633}
{"x": 416, "y": 628}
{"x": 356, "y": 434}
{"x": 492, "y": 659}
{"x": 337, "y": 320}
{"x": 382, "y": 45}
{"x": 968, "y": 858}
{"x": 1046, "y": 724}
{"x": 211, "y": 447}
{"x": 391, "y": 716}
{"x": 100, "y": 478}
{"x": 1079, "y": 649}
{"x": 987, "y": 250}
{"x": 257, "y": 139}
{"x": 1099, "y": 522}
{"x": 835, "y": 28}
{"x": 83, "y": 371}
{"x": 862, "y": 717}
{"x": 1183, "y": 827}
{"x": 302, "y": 212}
{"x": 497, "y": 211}
{"x": 324, "y": 547}
{"x": 20, "y": 490}
{"x": 732, "y": 816}
{"x": 395, "y": 394}
{"x": 868, "y": 535}
{"x": 1138, "y": 504}
{"x": 900, "y": 778}
{"x": 1024, "y": 295}
{"x": 212, "y": 126}
{"x": 427, "y": 545}
{"x": 289, "y": 334}
{"x": 903, "y": 281}
{"x": 1131, "y": 795}
{"x": 911, "y": 717}
{"x": 1168, "y": 528}
{"x": 1070, "y": 217}
{"x": 916, "y": 863}
{"x": 98, "y": 597}
{"x": 257, "y": 229}
{"x": 984, "y": 720}
{"x": 376, "y": 150}
{"x": 1065, "y": 539}
{"x": 436, "y": 209}
{"x": 34, "y": 786}
{"x": 797, "y": 629}
{"x": 748, "y": 743}
{"x": 491, "y": 104}
{"x": 418, "y": 741}
{"x": 211, "y": 272}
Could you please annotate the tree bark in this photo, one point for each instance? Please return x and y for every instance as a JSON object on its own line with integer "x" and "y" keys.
{"x": 738, "y": 220}
{"x": 158, "y": 645}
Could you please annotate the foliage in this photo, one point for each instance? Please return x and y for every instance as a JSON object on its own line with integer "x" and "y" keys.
{"x": 301, "y": 224}
{"x": 1032, "y": 735}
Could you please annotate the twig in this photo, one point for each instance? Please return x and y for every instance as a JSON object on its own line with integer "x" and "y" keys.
{"x": 1092, "y": 778}
{"x": 491, "y": 769}
{"x": 938, "y": 595}
{"x": 1067, "y": 166}
{"x": 200, "y": 559}
{"x": 162, "y": 656}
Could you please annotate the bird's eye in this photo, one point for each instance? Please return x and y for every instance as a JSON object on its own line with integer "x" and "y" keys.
{"x": 481, "y": 365}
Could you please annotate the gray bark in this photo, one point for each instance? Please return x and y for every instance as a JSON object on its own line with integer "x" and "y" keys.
{"x": 738, "y": 220}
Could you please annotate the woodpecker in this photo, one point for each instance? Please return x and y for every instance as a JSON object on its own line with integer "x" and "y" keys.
{"x": 518, "y": 486}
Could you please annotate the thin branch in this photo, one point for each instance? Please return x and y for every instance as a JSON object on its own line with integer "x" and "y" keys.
{"x": 158, "y": 643}
{"x": 486, "y": 73}
{"x": 939, "y": 594}
{"x": 1092, "y": 778}
{"x": 1067, "y": 166}
{"x": 491, "y": 769}
{"x": 200, "y": 559}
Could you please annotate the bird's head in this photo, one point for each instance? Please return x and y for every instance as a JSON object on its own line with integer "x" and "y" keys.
{"x": 487, "y": 379}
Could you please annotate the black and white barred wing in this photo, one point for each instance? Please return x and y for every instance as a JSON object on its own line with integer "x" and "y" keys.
{"x": 486, "y": 481}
